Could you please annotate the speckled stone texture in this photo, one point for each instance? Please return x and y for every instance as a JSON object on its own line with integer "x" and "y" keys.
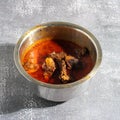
{"x": 18, "y": 100}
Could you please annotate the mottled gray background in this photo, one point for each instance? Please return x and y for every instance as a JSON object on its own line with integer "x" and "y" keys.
{"x": 18, "y": 100}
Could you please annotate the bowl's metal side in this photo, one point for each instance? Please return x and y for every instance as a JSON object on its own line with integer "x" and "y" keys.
{"x": 63, "y": 94}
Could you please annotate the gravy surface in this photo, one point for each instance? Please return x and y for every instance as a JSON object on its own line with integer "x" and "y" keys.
{"x": 38, "y": 51}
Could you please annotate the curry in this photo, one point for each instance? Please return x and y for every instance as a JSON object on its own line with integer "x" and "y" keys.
{"x": 57, "y": 61}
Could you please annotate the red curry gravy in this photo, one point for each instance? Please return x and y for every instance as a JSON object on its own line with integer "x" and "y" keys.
{"x": 38, "y": 51}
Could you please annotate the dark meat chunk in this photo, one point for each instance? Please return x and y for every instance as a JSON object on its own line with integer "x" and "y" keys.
{"x": 49, "y": 67}
{"x": 71, "y": 61}
{"x": 84, "y": 51}
{"x": 58, "y": 56}
{"x": 81, "y": 52}
{"x": 62, "y": 63}
{"x": 63, "y": 74}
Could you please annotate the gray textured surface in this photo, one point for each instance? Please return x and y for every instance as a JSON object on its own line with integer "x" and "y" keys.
{"x": 17, "y": 98}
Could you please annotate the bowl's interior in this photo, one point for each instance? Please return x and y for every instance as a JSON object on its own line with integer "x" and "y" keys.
{"x": 61, "y": 33}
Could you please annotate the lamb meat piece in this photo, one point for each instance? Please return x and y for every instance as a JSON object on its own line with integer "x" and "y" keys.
{"x": 30, "y": 67}
{"x": 64, "y": 62}
{"x": 49, "y": 67}
{"x": 60, "y": 62}
{"x": 71, "y": 61}
{"x": 31, "y": 64}
{"x": 84, "y": 51}
{"x": 63, "y": 73}
{"x": 58, "y": 56}
{"x": 81, "y": 52}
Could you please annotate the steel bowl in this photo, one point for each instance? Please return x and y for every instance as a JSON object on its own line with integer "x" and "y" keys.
{"x": 63, "y": 31}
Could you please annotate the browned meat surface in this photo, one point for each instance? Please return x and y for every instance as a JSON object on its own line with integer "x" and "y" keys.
{"x": 58, "y": 56}
{"x": 62, "y": 63}
{"x": 31, "y": 65}
{"x": 81, "y": 52}
{"x": 63, "y": 73}
{"x": 49, "y": 67}
{"x": 84, "y": 51}
{"x": 71, "y": 61}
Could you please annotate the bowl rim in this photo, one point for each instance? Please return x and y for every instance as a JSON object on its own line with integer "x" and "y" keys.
{"x": 59, "y": 86}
